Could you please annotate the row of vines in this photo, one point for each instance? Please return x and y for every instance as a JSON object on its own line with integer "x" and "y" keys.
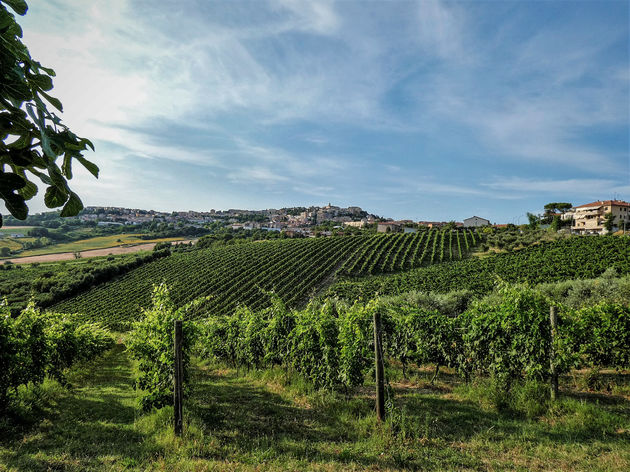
{"x": 34, "y": 345}
{"x": 386, "y": 253}
{"x": 331, "y": 343}
{"x": 245, "y": 274}
{"x": 571, "y": 258}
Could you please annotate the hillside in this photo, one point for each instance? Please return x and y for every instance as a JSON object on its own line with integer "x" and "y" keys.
{"x": 571, "y": 258}
{"x": 242, "y": 274}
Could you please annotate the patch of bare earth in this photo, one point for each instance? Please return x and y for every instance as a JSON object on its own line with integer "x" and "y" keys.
{"x": 65, "y": 256}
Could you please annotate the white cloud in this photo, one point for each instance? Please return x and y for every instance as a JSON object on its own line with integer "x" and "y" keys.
{"x": 312, "y": 15}
{"x": 441, "y": 30}
{"x": 255, "y": 174}
{"x": 237, "y": 72}
{"x": 599, "y": 188}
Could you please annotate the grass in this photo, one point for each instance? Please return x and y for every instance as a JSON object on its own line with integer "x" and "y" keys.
{"x": 274, "y": 422}
{"x": 100, "y": 242}
{"x": 14, "y": 230}
{"x": 12, "y": 243}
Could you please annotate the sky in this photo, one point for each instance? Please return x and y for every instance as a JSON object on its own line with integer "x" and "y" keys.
{"x": 427, "y": 110}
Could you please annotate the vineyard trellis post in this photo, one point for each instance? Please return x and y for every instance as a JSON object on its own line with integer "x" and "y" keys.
{"x": 178, "y": 392}
{"x": 378, "y": 358}
{"x": 553, "y": 319}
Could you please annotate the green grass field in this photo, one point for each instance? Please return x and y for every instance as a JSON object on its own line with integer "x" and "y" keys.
{"x": 100, "y": 242}
{"x": 5, "y": 230}
{"x": 266, "y": 421}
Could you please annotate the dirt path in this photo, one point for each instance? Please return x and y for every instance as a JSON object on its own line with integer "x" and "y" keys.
{"x": 64, "y": 256}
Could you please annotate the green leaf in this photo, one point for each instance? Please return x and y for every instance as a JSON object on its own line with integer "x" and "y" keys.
{"x": 87, "y": 142}
{"x": 28, "y": 191}
{"x": 42, "y": 81}
{"x": 44, "y": 178}
{"x": 53, "y": 101}
{"x": 14, "y": 202}
{"x": 18, "y": 6}
{"x": 73, "y": 206}
{"x": 55, "y": 197}
{"x": 10, "y": 182}
{"x": 67, "y": 165}
{"x": 48, "y": 70}
{"x": 93, "y": 168}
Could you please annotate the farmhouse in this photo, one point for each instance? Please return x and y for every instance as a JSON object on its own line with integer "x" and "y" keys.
{"x": 590, "y": 217}
{"x": 389, "y": 227}
{"x": 432, "y": 224}
{"x": 356, "y": 224}
{"x": 475, "y": 221}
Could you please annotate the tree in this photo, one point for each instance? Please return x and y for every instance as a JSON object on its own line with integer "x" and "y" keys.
{"x": 562, "y": 207}
{"x": 609, "y": 222}
{"x": 38, "y": 232}
{"x": 556, "y": 223}
{"x": 551, "y": 210}
{"x": 533, "y": 220}
{"x": 33, "y": 138}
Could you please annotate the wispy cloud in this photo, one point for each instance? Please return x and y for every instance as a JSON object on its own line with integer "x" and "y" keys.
{"x": 573, "y": 187}
{"x": 358, "y": 100}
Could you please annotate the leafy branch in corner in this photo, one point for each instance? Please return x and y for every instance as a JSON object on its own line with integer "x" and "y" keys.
{"x": 35, "y": 145}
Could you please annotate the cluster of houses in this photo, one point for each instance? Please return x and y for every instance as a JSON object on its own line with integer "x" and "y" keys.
{"x": 104, "y": 216}
{"x": 295, "y": 220}
{"x": 408, "y": 226}
{"x": 589, "y": 218}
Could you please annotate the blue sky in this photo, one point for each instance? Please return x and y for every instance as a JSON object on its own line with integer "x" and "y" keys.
{"x": 426, "y": 110}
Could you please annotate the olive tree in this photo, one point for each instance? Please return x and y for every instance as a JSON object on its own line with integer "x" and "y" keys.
{"x": 36, "y": 146}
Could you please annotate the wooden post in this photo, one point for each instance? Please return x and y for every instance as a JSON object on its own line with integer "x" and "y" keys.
{"x": 378, "y": 357}
{"x": 553, "y": 318}
{"x": 178, "y": 392}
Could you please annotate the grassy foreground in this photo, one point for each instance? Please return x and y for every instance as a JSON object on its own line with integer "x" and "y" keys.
{"x": 264, "y": 421}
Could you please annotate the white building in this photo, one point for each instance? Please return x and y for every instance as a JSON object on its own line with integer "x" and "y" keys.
{"x": 590, "y": 218}
{"x": 475, "y": 221}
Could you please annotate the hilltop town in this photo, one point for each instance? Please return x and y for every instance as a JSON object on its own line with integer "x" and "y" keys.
{"x": 588, "y": 218}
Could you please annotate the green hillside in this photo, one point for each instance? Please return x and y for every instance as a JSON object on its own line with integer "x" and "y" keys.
{"x": 242, "y": 274}
{"x": 571, "y": 258}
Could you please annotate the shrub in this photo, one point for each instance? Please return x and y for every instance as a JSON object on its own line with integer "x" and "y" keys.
{"x": 151, "y": 343}
{"x": 34, "y": 345}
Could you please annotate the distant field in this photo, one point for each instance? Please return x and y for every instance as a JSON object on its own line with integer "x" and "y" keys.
{"x": 14, "y": 244}
{"x": 101, "y": 242}
{"x": 14, "y": 229}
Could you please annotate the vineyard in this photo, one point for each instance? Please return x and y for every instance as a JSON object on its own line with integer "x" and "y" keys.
{"x": 332, "y": 344}
{"x": 37, "y": 345}
{"x": 46, "y": 284}
{"x": 572, "y": 258}
{"x": 294, "y": 270}
{"x": 257, "y": 379}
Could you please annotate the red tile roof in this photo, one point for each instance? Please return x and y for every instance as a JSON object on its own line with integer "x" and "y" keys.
{"x": 605, "y": 203}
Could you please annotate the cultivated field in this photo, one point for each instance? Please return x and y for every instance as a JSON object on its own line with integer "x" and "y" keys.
{"x": 295, "y": 270}
{"x": 90, "y": 244}
{"x": 278, "y": 383}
